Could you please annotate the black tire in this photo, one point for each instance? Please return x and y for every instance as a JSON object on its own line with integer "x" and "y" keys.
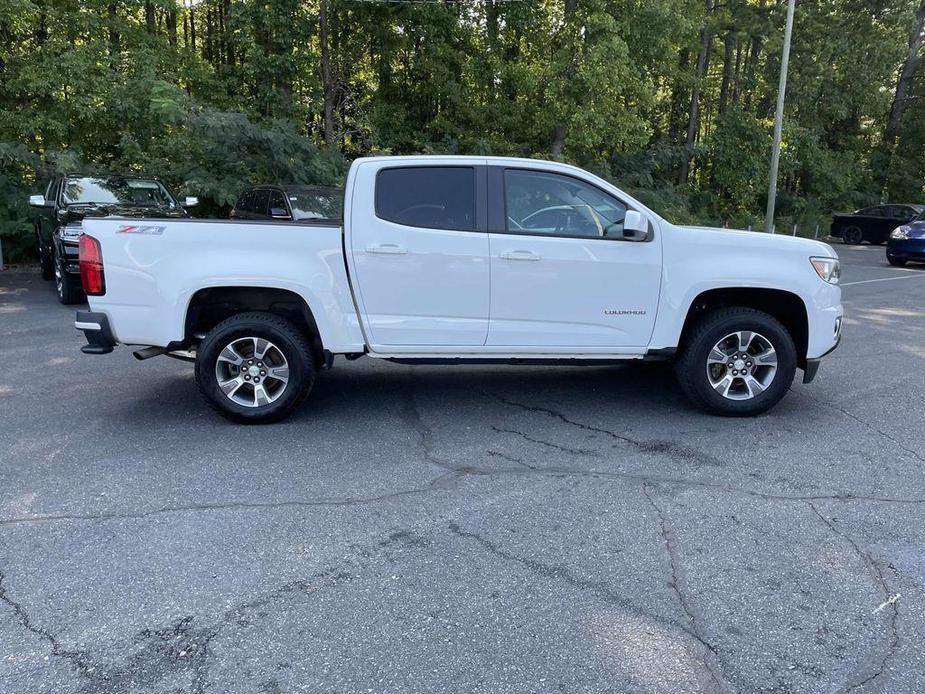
{"x": 66, "y": 284}
{"x": 45, "y": 261}
{"x": 898, "y": 262}
{"x": 291, "y": 343}
{"x": 691, "y": 364}
{"x": 852, "y": 235}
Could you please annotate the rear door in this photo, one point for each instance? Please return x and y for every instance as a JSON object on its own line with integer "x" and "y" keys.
{"x": 563, "y": 279}
{"x": 420, "y": 254}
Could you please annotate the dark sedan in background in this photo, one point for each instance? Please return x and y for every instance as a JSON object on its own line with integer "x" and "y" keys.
{"x": 297, "y": 203}
{"x": 907, "y": 242}
{"x": 873, "y": 224}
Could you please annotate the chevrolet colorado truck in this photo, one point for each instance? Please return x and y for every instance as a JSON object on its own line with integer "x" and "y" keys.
{"x": 462, "y": 260}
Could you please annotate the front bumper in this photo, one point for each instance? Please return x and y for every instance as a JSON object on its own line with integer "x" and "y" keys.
{"x": 812, "y": 365}
{"x": 906, "y": 249}
{"x": 95, "y": 327}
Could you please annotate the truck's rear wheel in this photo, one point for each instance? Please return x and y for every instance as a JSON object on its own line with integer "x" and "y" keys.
{"x": 255, "y": 368}
{"x": 737, "y": 362}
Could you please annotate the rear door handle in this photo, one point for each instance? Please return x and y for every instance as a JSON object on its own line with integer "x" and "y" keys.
{"x": 520, "y": 255}
{"x": 386, "y": 249}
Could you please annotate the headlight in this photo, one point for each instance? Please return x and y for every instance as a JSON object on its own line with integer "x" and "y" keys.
{"x": 71, "y": 231}
{"x": 829, "y": 269}
{"x": 900, "y": 233}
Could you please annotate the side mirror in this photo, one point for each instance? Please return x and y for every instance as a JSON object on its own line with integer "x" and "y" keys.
{"x": 37, "y": 201}
{"x": 278, "y": 213}
{"x": 635, "y": 226}
{"x": 190, "y": 201}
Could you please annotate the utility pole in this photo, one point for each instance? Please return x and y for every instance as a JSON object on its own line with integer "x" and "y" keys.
{"x": 779, "y": 120}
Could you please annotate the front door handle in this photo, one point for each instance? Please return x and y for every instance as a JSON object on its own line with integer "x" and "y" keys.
{"x": 386, "y": 249}
{"x": 520, "y": 255}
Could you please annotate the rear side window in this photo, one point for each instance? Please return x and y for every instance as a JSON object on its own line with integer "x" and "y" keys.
{"x": 434, "y": 197}
{"x": 244, "y": 201}
{"x": 261, "y": 201}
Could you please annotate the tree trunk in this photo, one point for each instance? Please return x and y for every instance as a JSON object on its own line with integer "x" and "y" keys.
{"x": 560, "y": 132}
{"x": 114, "y": 47}
{"x": 728, "y": 55}
{"x": 192, "y": 28}
{"x": 693, "y": 120}
{"x": 903, "y": 95}
{"x": 326, "y": 84}
{"x": 172, "y": 26}
{"x": 150, "y": 19}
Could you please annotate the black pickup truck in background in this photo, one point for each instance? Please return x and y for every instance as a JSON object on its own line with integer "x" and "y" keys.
{"x": 69, "y": 198}
{"x": 873, "y": 224}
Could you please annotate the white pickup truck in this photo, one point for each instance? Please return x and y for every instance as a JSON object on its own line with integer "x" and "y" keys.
{"x": 460, "y": 260}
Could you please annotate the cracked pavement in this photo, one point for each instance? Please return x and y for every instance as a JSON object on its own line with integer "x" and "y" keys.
{"x": 470, "y": 529}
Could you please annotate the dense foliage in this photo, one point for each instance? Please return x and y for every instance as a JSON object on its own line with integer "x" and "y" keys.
{"x": 673, "y": 99}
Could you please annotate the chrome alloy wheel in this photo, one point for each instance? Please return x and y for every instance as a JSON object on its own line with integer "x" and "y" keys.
{"x": 59, "y": 280}
{"x": 742, "y": 365}
{"x": 252, "y": 372}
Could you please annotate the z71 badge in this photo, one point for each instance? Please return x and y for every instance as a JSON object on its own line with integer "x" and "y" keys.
{"x": 140, "y": 229}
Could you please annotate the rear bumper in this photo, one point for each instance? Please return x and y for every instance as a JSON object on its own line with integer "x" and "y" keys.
{"x": 95, "y": 327}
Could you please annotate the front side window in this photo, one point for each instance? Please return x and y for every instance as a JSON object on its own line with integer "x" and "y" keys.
{"x": 547, "y": 203}
{"x": 434, "y": 197}
{"x": 316, "y": 203}
{"x": 116, "y": 190}
{"x": 278, "y": 204}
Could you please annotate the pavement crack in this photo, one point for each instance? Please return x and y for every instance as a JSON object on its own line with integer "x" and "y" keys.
{"x": 870, "y": 427}
{"x": 877, "y": 574}
{"x": 509, "y": 458}
{"x": 442, "y": 481}
{"x": 549, "y": 444}
{"x": 598, "y": 589}
{"x": 697, "y": 630}
{"x": 672, "y": 449}
{"x": 77, "y": 658}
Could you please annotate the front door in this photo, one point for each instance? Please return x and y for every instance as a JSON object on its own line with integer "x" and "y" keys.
{"x": 562, "y": 276}
{"x": 420, "y": 256}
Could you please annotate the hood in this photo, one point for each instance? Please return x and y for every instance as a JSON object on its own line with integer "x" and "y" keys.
{"x": 76, "y": 212}
{"x": 761, "y": 240}
{"x": 914, "y": 230}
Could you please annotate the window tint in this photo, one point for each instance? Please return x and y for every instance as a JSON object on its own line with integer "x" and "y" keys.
{"x": 261, "y": 201}
{"x": 278, "y": 204}
{"x": 436, "y": 197}
{"x": 547, "y": 203}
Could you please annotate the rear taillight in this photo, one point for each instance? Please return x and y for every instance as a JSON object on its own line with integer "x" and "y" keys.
{"x": 91, "y": 266}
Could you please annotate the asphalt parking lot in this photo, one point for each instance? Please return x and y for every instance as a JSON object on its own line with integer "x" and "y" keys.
{"x": 491, "y": 529}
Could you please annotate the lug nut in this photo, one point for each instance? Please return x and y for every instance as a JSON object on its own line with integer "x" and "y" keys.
{"x": 256, "y": 380}
{"x": 247, "y": 378}
{"x": 735, "y": 373}
{"x": 250, "y": 361}
{"x": 263, "y": 373}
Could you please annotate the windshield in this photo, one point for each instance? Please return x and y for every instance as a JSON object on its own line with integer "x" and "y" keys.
{"x": 316, "y": 203}
{"x": 115, "y": 190}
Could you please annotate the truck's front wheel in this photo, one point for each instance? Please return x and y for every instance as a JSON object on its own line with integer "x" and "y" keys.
{"x": 737, "y": 362}
{"x": 255, "y": 368}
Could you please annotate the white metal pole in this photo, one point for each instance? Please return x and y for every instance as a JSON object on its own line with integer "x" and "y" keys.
{"x": 779, "y": 119}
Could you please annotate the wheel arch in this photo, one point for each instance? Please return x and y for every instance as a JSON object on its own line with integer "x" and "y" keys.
{"x": 209, "y": 306}
{"x": 785, "y": 306}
